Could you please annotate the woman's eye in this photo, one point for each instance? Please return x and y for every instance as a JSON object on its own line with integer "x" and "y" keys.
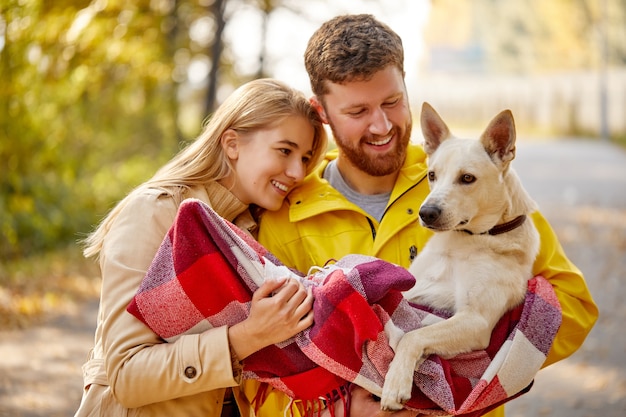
{"x": 285, "y": 151}
{"x": 392, "y": 103}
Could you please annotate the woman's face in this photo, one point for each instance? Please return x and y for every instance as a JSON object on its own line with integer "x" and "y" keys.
{"x": 269, "y": 163}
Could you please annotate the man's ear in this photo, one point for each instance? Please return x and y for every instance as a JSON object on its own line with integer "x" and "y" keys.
{"x": 317, "y": 105}
{"x": 230, "y": 143}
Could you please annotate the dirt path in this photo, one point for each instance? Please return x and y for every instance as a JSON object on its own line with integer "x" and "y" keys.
{"x": 586, "y": 203}
{"x": 581, "y": 188}
{"x": 40, "y": 366}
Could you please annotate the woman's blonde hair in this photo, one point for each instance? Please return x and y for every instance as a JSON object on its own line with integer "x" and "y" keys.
{"x": 256, "y": 105}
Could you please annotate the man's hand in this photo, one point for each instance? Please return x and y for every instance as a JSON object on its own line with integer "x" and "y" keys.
{"x": 365, "y": 404}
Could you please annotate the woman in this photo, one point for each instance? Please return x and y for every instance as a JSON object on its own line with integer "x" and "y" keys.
{"x": 257, "y": 146}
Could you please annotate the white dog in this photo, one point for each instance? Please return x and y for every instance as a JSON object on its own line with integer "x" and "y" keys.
{"x": 480, "y": 257}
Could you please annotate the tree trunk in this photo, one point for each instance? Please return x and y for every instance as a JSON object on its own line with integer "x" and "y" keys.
{"x": 216, "y": 54}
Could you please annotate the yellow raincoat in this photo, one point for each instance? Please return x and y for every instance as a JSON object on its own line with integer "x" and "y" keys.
{"x": 317, "y": 224}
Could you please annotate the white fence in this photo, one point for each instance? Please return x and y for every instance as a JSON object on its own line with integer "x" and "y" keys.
{"x": 559, "y": 104}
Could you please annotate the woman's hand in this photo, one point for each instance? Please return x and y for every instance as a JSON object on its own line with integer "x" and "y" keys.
{"x": 280, "y": 309}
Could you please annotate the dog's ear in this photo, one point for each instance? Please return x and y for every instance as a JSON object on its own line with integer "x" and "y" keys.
{"x": 434, "y": 128}
{"x": 499, "y": 137}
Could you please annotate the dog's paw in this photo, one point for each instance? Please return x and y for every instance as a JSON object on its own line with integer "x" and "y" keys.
{"x": 397, "y": 387}
{"x": 388, "y": 404}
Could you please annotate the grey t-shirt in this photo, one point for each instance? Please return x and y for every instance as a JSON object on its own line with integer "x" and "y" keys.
{"x": 374, "y": 204}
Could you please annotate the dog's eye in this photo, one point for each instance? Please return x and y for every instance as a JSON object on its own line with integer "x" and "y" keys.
{"x": 431, "y": 176}
{"x": 467, "y": 178}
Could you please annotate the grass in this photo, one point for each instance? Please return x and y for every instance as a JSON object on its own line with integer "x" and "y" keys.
{"x": 39, "y": 286}
{"x": 620, "y": 140}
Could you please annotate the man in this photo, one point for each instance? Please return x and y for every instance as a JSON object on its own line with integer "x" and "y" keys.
{"x": 365, "y": 196}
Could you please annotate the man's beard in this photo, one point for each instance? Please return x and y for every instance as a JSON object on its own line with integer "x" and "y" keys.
{"x": 376, "y": 166}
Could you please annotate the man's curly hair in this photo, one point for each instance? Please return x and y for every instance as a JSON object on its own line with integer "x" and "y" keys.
{"x": 351, "y": 47}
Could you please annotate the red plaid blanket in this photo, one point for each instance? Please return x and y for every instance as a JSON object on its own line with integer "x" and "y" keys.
{"x": 206, "y": 270}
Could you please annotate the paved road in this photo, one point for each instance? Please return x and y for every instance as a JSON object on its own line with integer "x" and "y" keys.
{"x": 581, "y": 188}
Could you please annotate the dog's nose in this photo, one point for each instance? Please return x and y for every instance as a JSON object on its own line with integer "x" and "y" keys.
{"x": 429, "y": 214}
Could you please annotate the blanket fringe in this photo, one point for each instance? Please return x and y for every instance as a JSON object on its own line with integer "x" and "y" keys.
{"x": 260, "y": 397}
{"x": 309, "y": 408}
{"x": 341, "y": 394}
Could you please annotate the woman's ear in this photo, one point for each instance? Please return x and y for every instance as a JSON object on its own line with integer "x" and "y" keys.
{"x": 317, "y": 105}
{"x": 230, "y": 143}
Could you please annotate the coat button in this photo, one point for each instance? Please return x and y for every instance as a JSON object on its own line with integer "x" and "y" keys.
{"x": 190, "y": 372}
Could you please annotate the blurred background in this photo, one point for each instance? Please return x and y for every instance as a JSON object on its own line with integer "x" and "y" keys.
{"x": 96, "y": 95}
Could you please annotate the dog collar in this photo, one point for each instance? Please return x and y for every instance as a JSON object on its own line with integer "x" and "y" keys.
{"x": 501, "y": 228}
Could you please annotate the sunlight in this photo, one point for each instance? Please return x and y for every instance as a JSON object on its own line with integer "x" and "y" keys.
{"x": 3, "y": 31}
{"x": 82, "y": 20}
{"x": 288, "y": 33}
{"x": 564, "y": 379}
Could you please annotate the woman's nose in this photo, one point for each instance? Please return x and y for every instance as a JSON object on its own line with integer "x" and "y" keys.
{"x": 296, "y": 170}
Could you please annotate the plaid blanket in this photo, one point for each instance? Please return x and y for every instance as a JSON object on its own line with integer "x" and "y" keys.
{"x": 206, "y": 270}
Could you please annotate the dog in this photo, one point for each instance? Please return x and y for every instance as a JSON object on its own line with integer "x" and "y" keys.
{"x": 480, "y": 257}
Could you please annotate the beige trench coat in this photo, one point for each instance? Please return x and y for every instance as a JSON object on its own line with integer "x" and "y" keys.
{"x": 131, "y": 371}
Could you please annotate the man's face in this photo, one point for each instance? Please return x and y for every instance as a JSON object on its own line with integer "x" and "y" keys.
{"x": 371, "y": 121}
